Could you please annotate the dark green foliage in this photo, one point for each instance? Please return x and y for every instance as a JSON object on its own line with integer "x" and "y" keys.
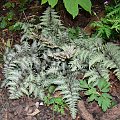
{"x": 30, "y": 68}
{"x": 6, "y": 20}
{"x": 57, "y": 103}
{"x": 109, "y": 26}
{"x": 71, "y": 6}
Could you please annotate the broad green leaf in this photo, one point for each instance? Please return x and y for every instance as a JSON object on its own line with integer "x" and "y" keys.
{"x": 72, "y": 7}
{"x": 105, "y": 89}
{"x": 91, "y": 91}
{"x": 52, "y": 2}
{"x": 85, "y": 4}
{"x": 92, "y": 97}
{"x": 103, "y": 85}
{"x": 58, "y": 100}
{"x": 43, "y": 1}
{"x": 52, "y": 101}
{"x": 104, "y": 101}
{"x": 113, "y": 103}
{"x": 83, "y": 84}
{"x": 106, "y": 95}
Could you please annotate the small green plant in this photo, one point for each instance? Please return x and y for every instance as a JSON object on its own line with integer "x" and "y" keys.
{"x": 57, "y": 103}
{"x": 98, "y": 93}
{"x": 5, "y": 20}
{"x": 72, "y": 6}
{"x": 50, "y": 91}
{"x": 109, "y": 26}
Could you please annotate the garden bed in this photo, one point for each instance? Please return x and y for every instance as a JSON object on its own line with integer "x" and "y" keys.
{"x": 27, "y": 108}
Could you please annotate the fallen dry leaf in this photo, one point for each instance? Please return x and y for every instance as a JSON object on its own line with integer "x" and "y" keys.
{"x": 19, "y": 109}
{"x": 34, "y": 113}
{"x": 37, "y": 104}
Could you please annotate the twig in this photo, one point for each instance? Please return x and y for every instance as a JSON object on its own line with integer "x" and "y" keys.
{"x": 83, "y": 111}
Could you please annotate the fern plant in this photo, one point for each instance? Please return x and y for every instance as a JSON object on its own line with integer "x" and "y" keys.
{"x": 43, "y": 58}
{"x": 95, "y": 59}
{"x": 109, "y": 26}
{"x": 30, "y": 68}
{"x": 52, "y": 27}
{"x": 20, "y": 68}
{"x": 69, "y": 88}
{"x": 98, "y": 58}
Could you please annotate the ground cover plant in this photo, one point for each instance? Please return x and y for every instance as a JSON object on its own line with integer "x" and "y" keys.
{"x": 48, "y": 56}
{"x": 109, "y": 26}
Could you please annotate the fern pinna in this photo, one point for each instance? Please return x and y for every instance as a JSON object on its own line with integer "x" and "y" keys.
{"x": 45, "y": 58}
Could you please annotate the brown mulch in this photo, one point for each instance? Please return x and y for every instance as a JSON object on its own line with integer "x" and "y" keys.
{"x": 26, "y": 109}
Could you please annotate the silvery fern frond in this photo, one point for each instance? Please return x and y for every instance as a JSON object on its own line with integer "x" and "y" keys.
{"x": 112, "y": 59}
{"x": 50, "y": 18}
{"x": 69, "y": 88}
{"x": 18, "y": 69}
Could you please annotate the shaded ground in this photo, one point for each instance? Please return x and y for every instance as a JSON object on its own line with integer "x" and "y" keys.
{"x": 26, "y": 109}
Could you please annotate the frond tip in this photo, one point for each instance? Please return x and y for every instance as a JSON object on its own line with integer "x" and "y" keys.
{"x": 70, "y": 91}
